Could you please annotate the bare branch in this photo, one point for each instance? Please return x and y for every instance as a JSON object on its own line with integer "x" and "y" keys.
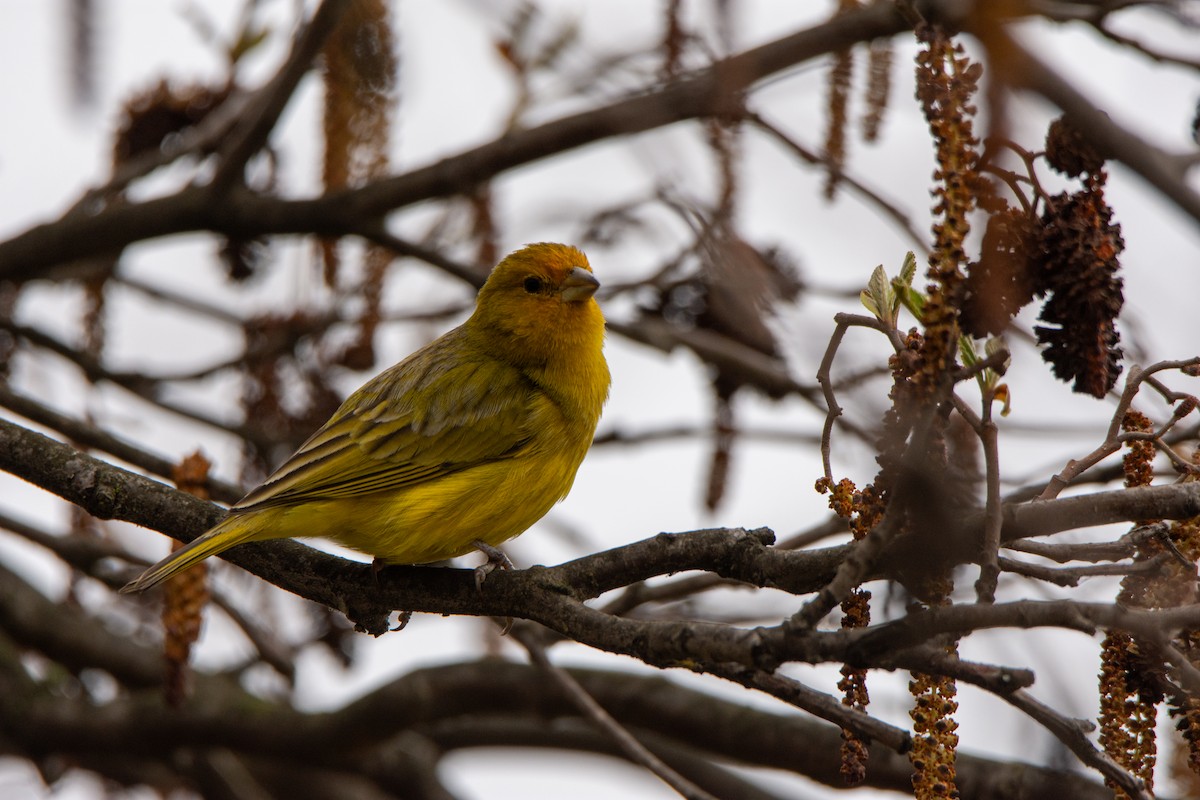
{"x": 635, "y": 750}
{"x": 1073, "y": 733}
{"x": 92, "y": 436}
{"x": 239, "y": 212}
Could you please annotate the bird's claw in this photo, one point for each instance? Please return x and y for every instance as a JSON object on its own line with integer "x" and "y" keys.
{"x": 495, "y": 560}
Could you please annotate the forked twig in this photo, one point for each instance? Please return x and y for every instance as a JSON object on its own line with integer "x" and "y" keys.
{"x": 1114, "y": 438}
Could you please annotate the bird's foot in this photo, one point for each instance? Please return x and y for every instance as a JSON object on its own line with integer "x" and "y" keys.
{"x": 495, "y": 560}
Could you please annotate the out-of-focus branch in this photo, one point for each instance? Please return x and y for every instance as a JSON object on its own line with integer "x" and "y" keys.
{"x": 92, "y": 436}
{"x": 71, "y": 638}
{"x": 591, "y": 710}
{"x": 1101, "y": 25}
{"x": 251, "y": 131}
{"x": 749, "y": 365}
{"x": 920, "y": 242}
{"x": 145, "y": 387}
{"x": 242, "y": 213}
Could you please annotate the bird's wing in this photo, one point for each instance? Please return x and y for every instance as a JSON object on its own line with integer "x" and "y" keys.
{"x": 439, "y": 411}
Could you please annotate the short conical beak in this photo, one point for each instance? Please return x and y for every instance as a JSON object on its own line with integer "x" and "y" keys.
{"x": 579, "y": 285}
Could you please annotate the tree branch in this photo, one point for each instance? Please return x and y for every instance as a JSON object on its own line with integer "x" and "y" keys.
{"x": 239, "y": 212}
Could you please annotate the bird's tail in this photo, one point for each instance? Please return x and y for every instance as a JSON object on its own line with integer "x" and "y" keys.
{"x": 232, "y": 531}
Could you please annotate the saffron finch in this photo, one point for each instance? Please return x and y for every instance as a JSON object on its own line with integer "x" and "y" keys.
{"x": 470, "y": 439}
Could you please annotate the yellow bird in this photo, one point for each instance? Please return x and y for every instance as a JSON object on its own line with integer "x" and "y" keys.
{"x": 469, "y": 440}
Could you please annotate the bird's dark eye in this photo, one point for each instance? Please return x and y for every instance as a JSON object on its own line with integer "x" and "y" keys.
{"x": 533, "y": 285}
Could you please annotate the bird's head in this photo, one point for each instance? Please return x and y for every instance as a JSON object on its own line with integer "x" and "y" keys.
{"x": 538, "y": 304}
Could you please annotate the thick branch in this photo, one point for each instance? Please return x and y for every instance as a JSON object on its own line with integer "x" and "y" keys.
{"x": 549, "y": 595}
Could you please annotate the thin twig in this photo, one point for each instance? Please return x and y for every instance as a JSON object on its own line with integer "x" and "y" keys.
{"x": 824, "y": 374}
{"x": 818, "y": 704}
{"x": 1070, "y": 576}
{"x": 1155, "y": 55}
{"x": 141, "y": 386}
{"x": 616, "y": 436}
{"x": 252, "y": 129}
{"x": 641, "y": 593}
{"x": 832, "y": 409}
{"x": 996, "y": 361}
{"x": 1073, "y": 734}
{"x": 1113, "y": 438}
{"x": 933, "y": 659}
{"x": 587, "y": 705}
{"x": 993, "y": 514}
{"x": 93, "y": 437}
{"x": 889, "y": 209}
{"x": 1083, "y": 551}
